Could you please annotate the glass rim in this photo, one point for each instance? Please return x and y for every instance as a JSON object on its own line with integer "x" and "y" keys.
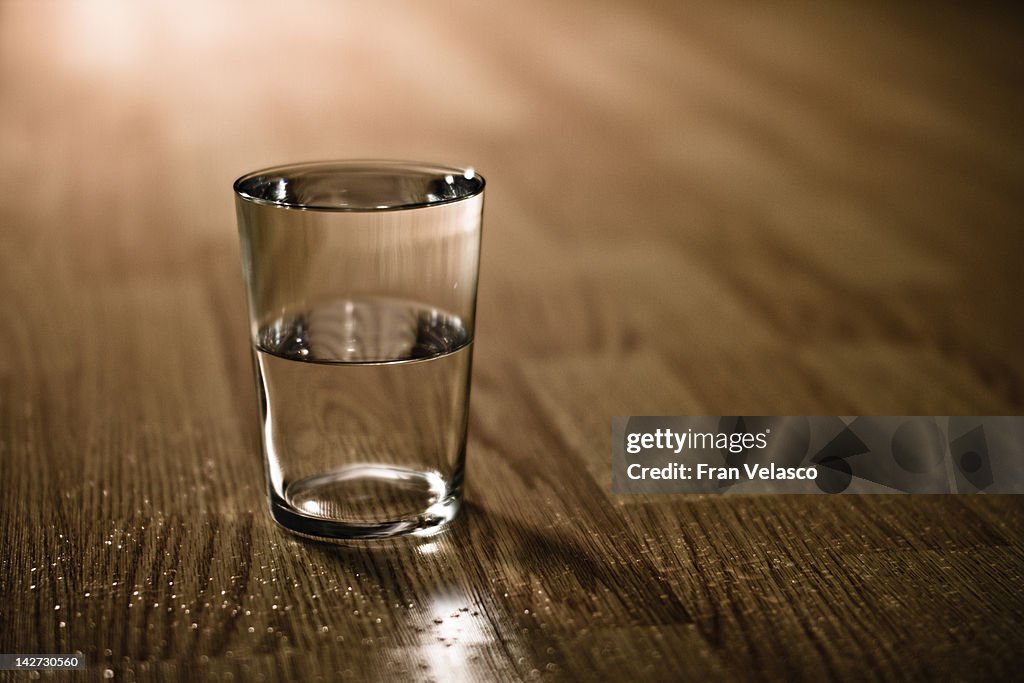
{"x": 347, "y": 166}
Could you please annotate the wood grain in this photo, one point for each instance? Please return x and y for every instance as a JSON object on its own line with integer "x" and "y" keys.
{"x": 808, "y": 208}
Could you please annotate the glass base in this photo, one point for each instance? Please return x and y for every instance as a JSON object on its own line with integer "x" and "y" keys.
{"x": 367, "y": 502}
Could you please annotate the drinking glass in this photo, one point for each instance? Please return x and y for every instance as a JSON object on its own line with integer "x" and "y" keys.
{"x": 361, "y": 279}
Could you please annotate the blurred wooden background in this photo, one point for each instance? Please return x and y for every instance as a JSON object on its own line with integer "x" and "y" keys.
{"x": 808, "y": 208}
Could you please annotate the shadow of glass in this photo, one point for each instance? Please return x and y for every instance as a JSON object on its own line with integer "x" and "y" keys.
{"x": 484, "y": 555}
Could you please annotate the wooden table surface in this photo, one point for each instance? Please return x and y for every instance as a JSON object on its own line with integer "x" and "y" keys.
{"x": 811, "y": 208}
